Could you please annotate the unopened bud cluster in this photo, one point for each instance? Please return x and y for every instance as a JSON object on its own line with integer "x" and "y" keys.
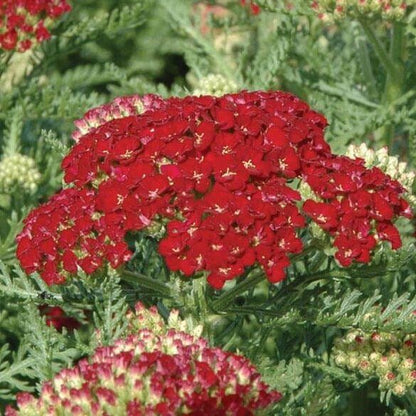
{"x": 154, "y": 371}
{"x": 333, "y": 10}
{"x": 216, "y": 85}
{"x": 388, "y": 164}
{"x": 388, "y": 357}
{"x": 18, "y": 171}
{"x": 149, "y": 318}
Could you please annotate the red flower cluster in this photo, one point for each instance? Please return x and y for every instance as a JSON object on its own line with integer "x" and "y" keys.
{"x": 358, "y": 205}
{"x": 147, "y": 374}
{"x": 67, "y": 233}
{"x": 22, "y": 21}
{"x": 254, "y": 7}
{"x": 217, "y": 169}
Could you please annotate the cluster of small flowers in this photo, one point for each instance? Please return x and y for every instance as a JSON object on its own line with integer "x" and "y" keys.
{"x": 379, "y": 159}
{"x": 67, "y": 233}
{"x": 23, "y": 21}
{"x": 217, "y": 169}
{"x": 146, "y": 373}
{"x": 357, "y": 208}
{"x": 216, "y": 85}
{"x": 18, "y": 171}
{"x": 143, "y": 317}
{"x": 388, "y": 357}
{"x": 388, "y": 164}
{"x": 332, "y": 10}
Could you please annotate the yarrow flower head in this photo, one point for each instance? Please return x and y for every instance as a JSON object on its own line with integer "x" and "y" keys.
{"x": 379, "y": 159}
{"x": 389, "y": 357}
{"x": 216, "y": 171}
{"x": 330, "y": 10}
{"x": 216, "y": 85}
{"x": 23, "y": 22}
{"x": 154, "y": 374}
{"x": 18, "y": 171}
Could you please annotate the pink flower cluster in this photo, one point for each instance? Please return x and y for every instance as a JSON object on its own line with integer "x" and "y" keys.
{"x": 118, "y": 108}
{"x": 218, "y": 171}
{"x": 147, "y": 374}
{"x": 22, "y": 21}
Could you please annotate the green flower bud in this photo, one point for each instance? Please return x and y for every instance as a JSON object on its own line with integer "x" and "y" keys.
{"x": 365, "y": 367}
{"x": 409, "y": 378}
{"x": 354, "y": 337}
{"x": 215, "y": 84}
{"x": 394, "y": 358}
{"x": 383, "y": 364}
{"x": 375, "y": 357}
{"x": 379, "y": 354}
{"x": 407, "y": 363}
{"x": 340, "y": 359}
{"x": 20, "y": 172}
{"x": 399, "y": 389}
{"x": 387, "y": 380}
{"x": 353, "y": 360}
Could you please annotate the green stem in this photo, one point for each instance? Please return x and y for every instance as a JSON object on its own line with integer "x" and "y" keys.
{"x": 252, "y": 310}
{"x": 394, "y": 82}
{"x": 11, "y": 145}
{"x": 352, "y": 95}
{"x": 145, "y": 281}
{"x": 250, "y": 281}
{"x": 411, "y": 398}
{"x": 359, "y": 403}
{"x": 366, "y": 67}
{"x": 300, "y": 281}
{"x": 395, "y": 73}
{"x": 379, "y": 49}
{"x": 228, "y": 297}
{"x": 199, "y": 308}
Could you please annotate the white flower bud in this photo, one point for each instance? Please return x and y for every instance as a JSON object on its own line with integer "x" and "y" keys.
{"x": 20, "y": 172}
{"x": 340, "y": 359}
{"x": 399, "y": 389}
{"x": 388, "y": 164}
{"x": 215, "y": 84}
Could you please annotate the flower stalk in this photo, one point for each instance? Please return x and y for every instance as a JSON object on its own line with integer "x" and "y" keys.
{"x": 393, "y": 62}
{"x": 145, "y": 281}
{"x": 228, "y": 297}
